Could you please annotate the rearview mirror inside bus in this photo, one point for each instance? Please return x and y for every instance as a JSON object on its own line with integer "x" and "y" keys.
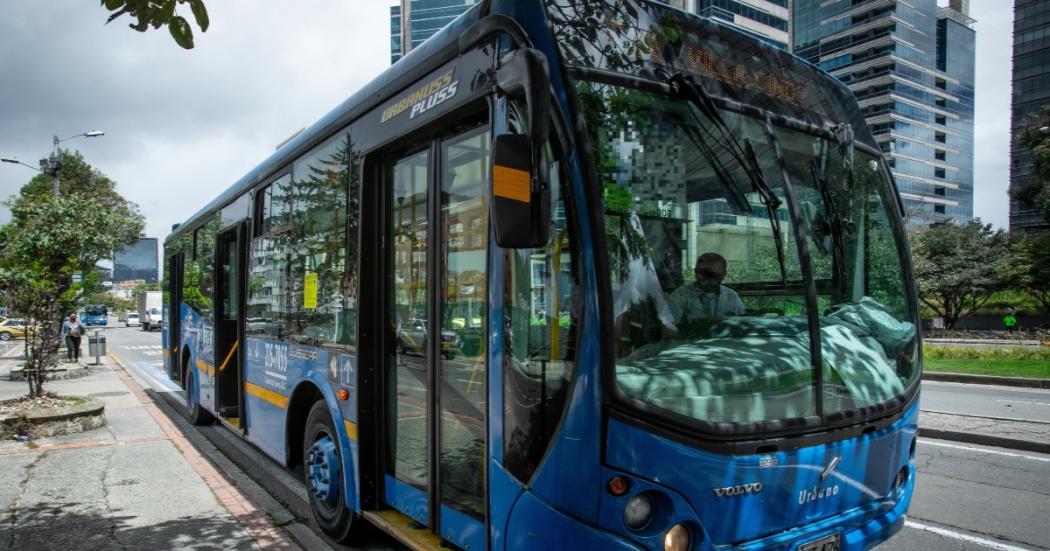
{"x": 520, "y": 207}
{"x": 520, "y": 187}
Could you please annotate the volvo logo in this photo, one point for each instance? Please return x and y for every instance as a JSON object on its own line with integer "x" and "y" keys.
{"x": 830, "y": 468}
{"x": 739, "y": 489}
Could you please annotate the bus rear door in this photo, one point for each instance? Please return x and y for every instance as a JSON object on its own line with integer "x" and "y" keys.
{"x": 231, "y": 252}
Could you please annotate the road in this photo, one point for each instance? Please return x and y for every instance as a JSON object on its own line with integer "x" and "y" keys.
{"x": 967, "y": 497}
{"x": 1003, "y": 402}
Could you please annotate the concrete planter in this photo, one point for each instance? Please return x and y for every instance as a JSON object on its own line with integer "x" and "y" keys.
{"x": 57, "y": 374}
{"x": 86, "y": 415}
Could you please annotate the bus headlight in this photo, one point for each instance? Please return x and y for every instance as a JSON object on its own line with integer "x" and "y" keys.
{"x": 638, "y": 512}
{"x": 677, "y": 538}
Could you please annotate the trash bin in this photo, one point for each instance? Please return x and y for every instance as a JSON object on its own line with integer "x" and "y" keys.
{"x": 96, "y": 345}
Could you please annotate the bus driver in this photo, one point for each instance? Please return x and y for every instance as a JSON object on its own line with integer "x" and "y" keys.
{"x": 706, "y": 299}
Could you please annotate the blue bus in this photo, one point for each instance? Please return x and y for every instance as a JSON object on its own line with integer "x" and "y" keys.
{"x": 95, "y": 314}
{"x": 569, "y": 275}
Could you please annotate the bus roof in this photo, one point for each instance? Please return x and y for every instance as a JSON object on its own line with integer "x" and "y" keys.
{"x": 444, "y": 45}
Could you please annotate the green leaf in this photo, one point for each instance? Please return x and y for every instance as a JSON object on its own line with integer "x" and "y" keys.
{"x": 163, "y": 14}
{"x": 200, "y": 13}
{"x": 181, "y": 32}
{"x": 112, "y": 4}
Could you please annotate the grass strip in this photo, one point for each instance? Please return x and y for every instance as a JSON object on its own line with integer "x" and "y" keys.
{"x": 1036, "y": 369}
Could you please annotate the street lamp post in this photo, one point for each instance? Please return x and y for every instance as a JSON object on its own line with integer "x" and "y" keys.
{"x": 53, "y": 165}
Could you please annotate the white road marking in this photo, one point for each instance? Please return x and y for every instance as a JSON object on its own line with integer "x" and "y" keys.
{"x": 983, "y": 542}
{"x": 1023, "y": 402}
{"x": 927, "y": 442}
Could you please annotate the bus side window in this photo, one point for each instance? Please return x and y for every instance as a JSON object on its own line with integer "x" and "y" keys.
{"x": 541, "y": 316}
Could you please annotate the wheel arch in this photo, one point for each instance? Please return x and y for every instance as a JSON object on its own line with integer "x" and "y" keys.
{"x": 311, "y": 389}
{"x": 304, "y": 396}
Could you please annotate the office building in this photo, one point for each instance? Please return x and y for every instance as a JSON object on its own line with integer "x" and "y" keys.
{"x": 138, "y": 261}
{"x": 911, "y": 66}
{"x": 764, "y": 19}
{"x": 1031, "y": 92}
{"x": 413, "y": 21}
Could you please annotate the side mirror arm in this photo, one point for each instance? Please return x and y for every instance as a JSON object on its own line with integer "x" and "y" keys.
{"x": 524, "y": 71}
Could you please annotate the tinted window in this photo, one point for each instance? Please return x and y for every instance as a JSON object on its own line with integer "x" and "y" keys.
{"x": 541, "y": 313}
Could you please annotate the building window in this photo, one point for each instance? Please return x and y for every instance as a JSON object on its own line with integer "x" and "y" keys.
{"x": 941, "y": 137}
{"x": 939, "y": 209}
{"x": 942, "y": 84}
{"x": 940, "y": 155}
{"x": 941, "y": 120}
{"x": 940, "y": 191}
{"x": 938, "y": 172}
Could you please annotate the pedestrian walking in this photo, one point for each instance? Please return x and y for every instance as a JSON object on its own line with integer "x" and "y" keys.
{"x": 1010, "y": 321}
{"x": 71, "y": 332}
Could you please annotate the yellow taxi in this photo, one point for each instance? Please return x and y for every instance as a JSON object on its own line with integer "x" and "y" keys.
{"x": 12, "y": 328}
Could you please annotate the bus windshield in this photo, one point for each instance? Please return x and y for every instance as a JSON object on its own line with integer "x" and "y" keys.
{"x": 95, "y": 310}
{"x": 706, "y": 205}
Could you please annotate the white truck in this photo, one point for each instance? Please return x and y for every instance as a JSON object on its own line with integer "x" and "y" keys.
{"x": 150, "y": 303}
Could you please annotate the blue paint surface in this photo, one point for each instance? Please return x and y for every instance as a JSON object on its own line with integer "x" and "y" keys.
{"x": 859, "y": 489}
{"x": 407, "y": 499}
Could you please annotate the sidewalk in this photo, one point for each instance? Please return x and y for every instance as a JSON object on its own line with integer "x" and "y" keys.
{"x": 136, "y": 483}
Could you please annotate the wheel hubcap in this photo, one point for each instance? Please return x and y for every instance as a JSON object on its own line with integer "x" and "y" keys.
{"x": 322, "y": 464}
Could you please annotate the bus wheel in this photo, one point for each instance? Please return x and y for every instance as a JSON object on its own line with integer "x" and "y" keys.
{"x": 194, "y": 412}
{"x": 323, "y": 470}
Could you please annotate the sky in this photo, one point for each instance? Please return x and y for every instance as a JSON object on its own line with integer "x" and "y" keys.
{"x": 181, "y": 126}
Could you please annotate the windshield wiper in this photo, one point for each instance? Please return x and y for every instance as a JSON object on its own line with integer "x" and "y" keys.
{"x": 772, "y": 204}
{"x": 746, "y": 157}
{"x": 838, "y": 223}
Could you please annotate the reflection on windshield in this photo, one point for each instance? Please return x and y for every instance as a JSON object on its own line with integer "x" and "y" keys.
{"x": 710, "y": 311}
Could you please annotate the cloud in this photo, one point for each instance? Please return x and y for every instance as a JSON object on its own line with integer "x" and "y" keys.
{"x": 181, "y": 126}
{"x": 992, "y": 110}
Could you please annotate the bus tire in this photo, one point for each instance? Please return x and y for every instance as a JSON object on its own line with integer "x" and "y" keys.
{"x": 322, "y": 472}
{"x": 194, "y": 411}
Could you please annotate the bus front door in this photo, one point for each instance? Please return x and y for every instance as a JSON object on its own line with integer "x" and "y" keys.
{"x": 436, "y": 304}
{"x": 230, "y": 253}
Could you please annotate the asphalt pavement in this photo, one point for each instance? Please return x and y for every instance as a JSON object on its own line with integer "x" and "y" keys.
{"x": 999, "y": 402}
{"x": 967, "y": 496}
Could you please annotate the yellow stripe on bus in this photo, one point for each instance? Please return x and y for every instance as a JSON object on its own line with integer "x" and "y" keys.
{"x": 351, "y": 429}
{"x": 206, "y": 367}
{"x": 267, "y": 395}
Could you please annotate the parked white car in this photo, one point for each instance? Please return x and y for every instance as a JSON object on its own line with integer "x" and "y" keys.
{"x": 133, "y": 320}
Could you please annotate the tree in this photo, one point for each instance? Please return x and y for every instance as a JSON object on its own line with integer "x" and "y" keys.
{"x": 959, "y": 267}
{"x": 49, "y": 239}
{"x": 1035, "y": 137}
{"x": 1033, "y": 254}
{"x": 160, "y": 13}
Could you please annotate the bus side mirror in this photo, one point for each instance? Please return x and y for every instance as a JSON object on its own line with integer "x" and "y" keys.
{"x": 520, "y": 213}
{"x": 520, "y": 171}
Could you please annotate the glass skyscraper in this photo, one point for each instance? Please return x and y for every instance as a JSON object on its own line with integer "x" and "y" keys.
{"x": 413, "y": 21}
{"x": 138, "y": 261}
{"x": 911, "y": 66}
{"x": 1031, "y": 91}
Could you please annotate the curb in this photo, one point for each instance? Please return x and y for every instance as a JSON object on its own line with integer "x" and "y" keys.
{"x": 985, "y": 379}
{"x": 985, "y": 440}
